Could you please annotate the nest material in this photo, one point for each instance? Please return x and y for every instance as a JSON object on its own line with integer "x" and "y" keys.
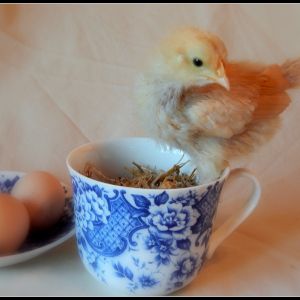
{"x": 147, "y": 178}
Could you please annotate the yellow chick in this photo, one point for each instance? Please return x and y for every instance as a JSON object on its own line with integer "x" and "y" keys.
{"x": 191, "y": 97}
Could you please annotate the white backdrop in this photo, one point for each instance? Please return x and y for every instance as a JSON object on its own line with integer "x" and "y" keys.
{"x": 66, "y": 78}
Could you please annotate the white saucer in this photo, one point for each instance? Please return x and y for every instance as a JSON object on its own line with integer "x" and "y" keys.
{"x": 36, "y": 244}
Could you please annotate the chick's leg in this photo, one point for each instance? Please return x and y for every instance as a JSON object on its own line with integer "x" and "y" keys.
{"x": 208, "y": 170}
{"x": 207, "y": 156}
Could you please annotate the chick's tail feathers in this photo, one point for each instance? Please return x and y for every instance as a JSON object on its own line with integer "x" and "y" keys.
{"x": 274, "y": 81}
{"x": 291, "y": 72}
{"x": 273, "y": 98}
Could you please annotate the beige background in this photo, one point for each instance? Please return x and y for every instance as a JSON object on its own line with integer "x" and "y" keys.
{"x": 66, "y": 78}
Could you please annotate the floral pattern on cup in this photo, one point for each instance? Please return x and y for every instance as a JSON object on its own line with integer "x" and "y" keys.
{"x": 134, "y": 240}
{"x": 172, "y": 219}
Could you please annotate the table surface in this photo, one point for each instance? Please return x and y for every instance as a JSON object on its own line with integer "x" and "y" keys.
{"x": 242, "y": 265}
{"x": 233, "y": 270}
{"x": 66, "y": 78}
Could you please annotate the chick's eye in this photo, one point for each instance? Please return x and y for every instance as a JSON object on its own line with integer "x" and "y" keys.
{"x": 197, "y": 62}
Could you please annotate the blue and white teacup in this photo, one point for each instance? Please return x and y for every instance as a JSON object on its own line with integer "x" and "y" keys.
{"x": 146, "y": 241}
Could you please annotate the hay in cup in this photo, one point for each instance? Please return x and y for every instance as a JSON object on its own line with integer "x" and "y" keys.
{"x": 140, "y": 176}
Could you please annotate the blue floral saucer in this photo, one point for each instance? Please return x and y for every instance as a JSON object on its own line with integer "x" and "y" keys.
{"x": 38, "y": 243}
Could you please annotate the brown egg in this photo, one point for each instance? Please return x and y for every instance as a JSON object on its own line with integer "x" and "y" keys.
{"x": 14, "y": 224}
{"x": 43, "y": 196}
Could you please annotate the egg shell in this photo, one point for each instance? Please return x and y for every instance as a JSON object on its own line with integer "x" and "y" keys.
{"x": 14, "y": 224}
{"x": 43, "y": 196}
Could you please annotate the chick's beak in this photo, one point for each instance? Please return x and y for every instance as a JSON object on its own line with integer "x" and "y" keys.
{"x": 223, "y": 81}
{"x": 221, "y": 78}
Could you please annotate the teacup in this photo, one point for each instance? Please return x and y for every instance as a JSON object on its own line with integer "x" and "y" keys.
{"x": 146, "y": 241}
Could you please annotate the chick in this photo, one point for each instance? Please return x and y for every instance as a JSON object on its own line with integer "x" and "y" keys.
{"x": 191, "y": 97}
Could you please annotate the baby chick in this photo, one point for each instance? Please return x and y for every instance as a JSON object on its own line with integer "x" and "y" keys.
{"x": 191, "y": 97}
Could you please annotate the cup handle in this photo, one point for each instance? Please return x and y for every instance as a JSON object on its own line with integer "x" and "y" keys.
{"x": 221, "y": 233}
